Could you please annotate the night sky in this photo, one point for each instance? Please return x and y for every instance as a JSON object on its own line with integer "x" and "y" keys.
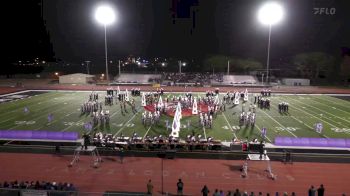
{"x": 192, "y": 29}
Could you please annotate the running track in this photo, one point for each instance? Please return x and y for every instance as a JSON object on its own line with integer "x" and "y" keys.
{"x": 134, "y": 172}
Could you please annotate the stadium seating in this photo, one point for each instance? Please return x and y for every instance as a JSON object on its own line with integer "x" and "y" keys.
{"x": 138, "y": 78}
{"x": 236, "y": 80}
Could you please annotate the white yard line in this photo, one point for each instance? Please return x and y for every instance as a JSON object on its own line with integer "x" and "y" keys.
{"x": 126, "y": 123}
{"x": 260, "y": 129}
{"x": 40, "y": 116}
{"x": 279, "y": 123}
{"x": 321, "y": 110}
{"x": 229, "y": 125}
{"x": 82, "y": 120}
{"x": 48, "y": 99}
{"x": 319, "y": 118}
{"x": 332, "y": 103}
{"x": 55, "y": 121}
{"x": 343, "y": 104}
{"x": 146, "y": 132}
{"x": 205, "y": 134}
{"x": 301, "y": 122}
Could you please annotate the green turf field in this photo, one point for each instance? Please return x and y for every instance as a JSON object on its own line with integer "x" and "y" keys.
{"x": 304, "y": 112}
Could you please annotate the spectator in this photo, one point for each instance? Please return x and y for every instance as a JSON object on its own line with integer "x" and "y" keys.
{"x": 216, "y": 193}
{"x": 312, "y": 191}
{"x": 237, "y": 193}
{"x": 245, "y": 193}
{"x": 293, "y": 194}
{"x": 205, "y": 191}
{"x": 320, "y": 190}
{"x": 180, "y": 186}
{"x": 251, "y": 193}
{"x": 39, "y": 186}
{"x": 285, "y": 194}
{"x": 222, "y": 193}
{"x": 149, "y": 187}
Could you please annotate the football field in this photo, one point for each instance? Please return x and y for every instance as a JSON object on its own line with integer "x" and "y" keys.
{"x": 304, "y": 112}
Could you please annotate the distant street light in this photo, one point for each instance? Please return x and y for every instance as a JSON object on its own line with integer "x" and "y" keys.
{"x": 270, "y": 14}
{"x": 105, "y": 15}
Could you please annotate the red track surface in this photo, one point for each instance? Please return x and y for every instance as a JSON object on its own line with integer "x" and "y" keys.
{"x": 134, "y": 173}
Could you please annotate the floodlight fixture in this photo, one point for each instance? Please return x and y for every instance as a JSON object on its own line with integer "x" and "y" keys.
{"x": 270, "y": 13}
{"x": 105, "y": 15}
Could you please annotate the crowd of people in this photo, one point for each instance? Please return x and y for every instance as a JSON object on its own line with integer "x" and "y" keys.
{"x": 195, "y": 78}
{"x": 38, "y": 185}
{"x": 205, "y": 191}
{"x": 311, "y": 192}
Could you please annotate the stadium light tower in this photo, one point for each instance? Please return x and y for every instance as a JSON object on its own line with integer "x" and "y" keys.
{"x": 270, "y": 14}
{"x": 105, "y": 15}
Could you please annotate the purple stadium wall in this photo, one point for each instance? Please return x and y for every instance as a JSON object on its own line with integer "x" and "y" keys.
{"x": 313, "y": 142}
{"x": 38, "y": 135}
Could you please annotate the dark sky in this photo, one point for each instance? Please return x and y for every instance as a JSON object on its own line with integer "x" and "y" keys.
{"x": 203, "y": 27}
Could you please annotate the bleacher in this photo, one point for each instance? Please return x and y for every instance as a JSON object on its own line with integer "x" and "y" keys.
{"x": 236, "y": 80}
{"x": 137, "y": 78}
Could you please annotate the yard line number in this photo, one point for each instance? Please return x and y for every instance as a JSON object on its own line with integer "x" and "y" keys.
{"x": 23, "y": 122}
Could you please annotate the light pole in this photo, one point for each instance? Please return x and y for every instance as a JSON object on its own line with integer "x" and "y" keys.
{"x": 228, "y": 67}
{"x": 119, "y": 67}
{"x": 105, "y": 15}
{"x": 180, "y": 65}
{"x": 87, "y": 66}
{"x": 270, "y": 14}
